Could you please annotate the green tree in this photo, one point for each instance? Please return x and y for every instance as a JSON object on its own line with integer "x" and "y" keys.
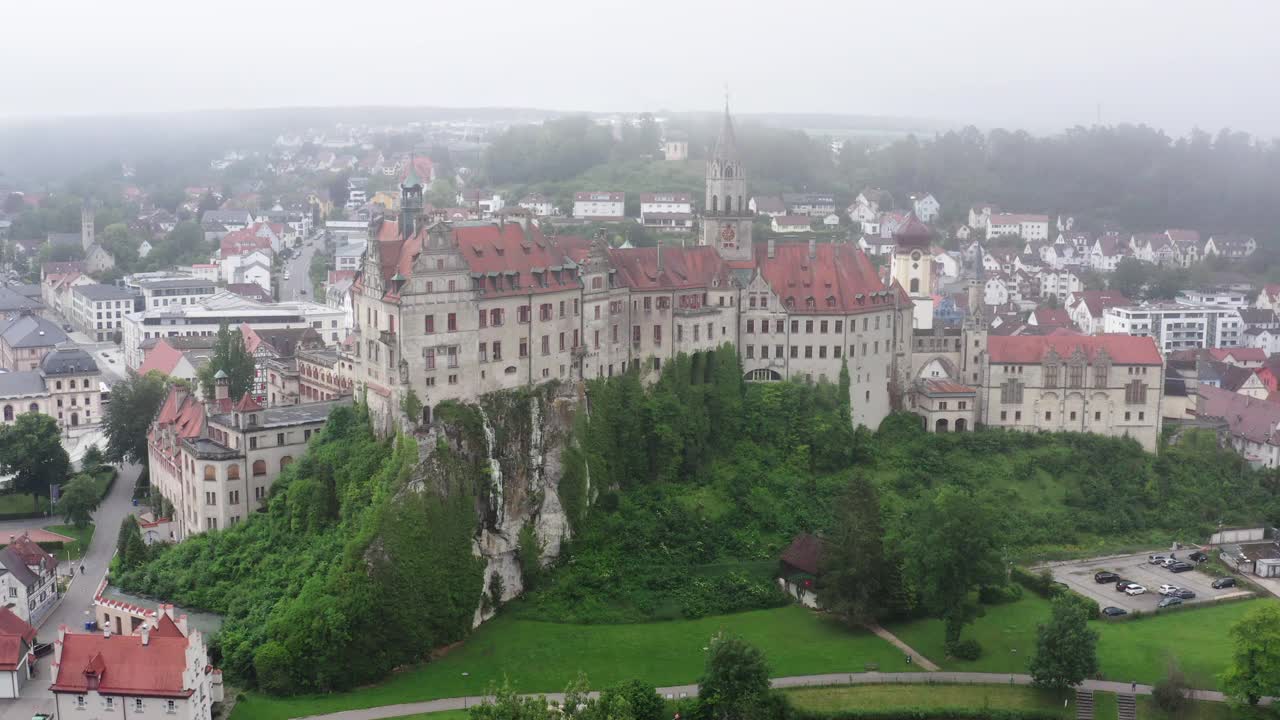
{"x": 134, "y": 404}
{"x": 1066, "y": 649}
{"x": 502, "y": 703}
{"x": 735, "y": 683}
{"x": 231, "y": 357}
{"x": 851, "y": 582}
{"x": 642, "y": 699}
{"x": 1255, "y": 665}
{"x": 951, "y": 546}
{"x": 1130, "y": 277}
{"x": 92, "y": 460}
{"x": 79, "y": 500}
{"x": 130, "y": 547}
{"x": 31, "y": 451}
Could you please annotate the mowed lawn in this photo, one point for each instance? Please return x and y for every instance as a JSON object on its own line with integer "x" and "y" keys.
{"x": 73, "y": 550}
{"x": 1138, "y": 650}
{"x": 933, "y": 698}
{"x": 545, "y": 657}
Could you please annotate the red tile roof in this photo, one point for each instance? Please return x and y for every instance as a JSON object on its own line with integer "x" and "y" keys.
{"x": 247, "y": 404}
{"x": 16, "y": 637}
{"x": 793, "y": 220}
{"x": 1239, "y": 354}
{"x": 1052, "y": 316}
{"x": 11, "y": 624}
{"x": 1099, "y": 300}
{"x": 1032, "y": 349}
{"x": 947, "y": 387}
{"x": 1250, "y": 418}
{"x": 682, "y": 268}
{"x": 32, "y": 555}
{"x": 839, "y": 278}
{"x": 122, "y": 665}
{"x": 243, "y": 241}
{"x": 804, "y": 553}
{"x": 162, "y": 357}
{"x": 166, "y": 627}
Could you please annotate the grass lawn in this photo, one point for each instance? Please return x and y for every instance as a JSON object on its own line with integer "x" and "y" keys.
{"x": 76, "y": 549}
{"x": 932, "y": 698}
{"x": 1007, "y": 634}
{"x": 1196, "y": 710}
{"x": 1134, "y": 650}
{"x": 545, "y": 657}
{"x": 21, "y": 503}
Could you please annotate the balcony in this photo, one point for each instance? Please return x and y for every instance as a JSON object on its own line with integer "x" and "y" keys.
{"x": 388, "y": 337}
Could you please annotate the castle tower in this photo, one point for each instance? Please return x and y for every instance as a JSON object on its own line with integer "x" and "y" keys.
{"x": 974, "y": 350}
{"x": 726, "y": 223}
{"x": 912, "y": 267}
{"x": 410, "y": 200}
{"x": 86, "y": 226}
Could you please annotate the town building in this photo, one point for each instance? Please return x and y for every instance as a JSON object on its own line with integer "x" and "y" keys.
{"x": 812, "y": 204}
{"x": 767, "y": 206}
{"x": 1087, "y": 308}
{"x": 348, "y": 257}
{"x": 323, "y": 375}
{"x": 158, "y": 672}
{"x": 1231, "y": 247}
{"x": 66, "y": 386}
{"x": 791, "y": 224}
{"x": 486, "y": 202}
{"x": 1226, "y": 297}
{"x": 538, "y": 204}
{"x": 1178, "y": 326}
{"x": 667, "y": 211}
{"x": 599, "y": 205}
{"x": 925, "y": 206}
{"x": 675, "y": 150}
{"x": 98, "y": 310}
{"x": 28, "y": 579}
{"x": 25, "y": 339}
{"x": 1027, "y": 227}
{"x": 274, "y": 354}
{"x": 215, "y": 463}
{"x": 17, "y": 659}
{"x": 178, "y": 357}
{"x": 159, "y": 292}
{"x": 205, "y": 317}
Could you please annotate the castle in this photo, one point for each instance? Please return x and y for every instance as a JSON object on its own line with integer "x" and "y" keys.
{"x": 454, "y": 310}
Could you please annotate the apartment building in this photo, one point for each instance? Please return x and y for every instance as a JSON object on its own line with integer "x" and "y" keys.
{"x": 1178, "y": 326}
{"x": 98, "y": 310}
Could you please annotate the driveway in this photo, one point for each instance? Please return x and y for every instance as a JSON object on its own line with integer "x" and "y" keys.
{"x": 1135, "y": 568}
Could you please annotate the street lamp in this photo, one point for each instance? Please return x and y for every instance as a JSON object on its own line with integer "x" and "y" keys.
{"x": 465, "y": 675}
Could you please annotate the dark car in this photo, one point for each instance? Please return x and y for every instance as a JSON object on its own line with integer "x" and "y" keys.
{"x": 1169, "y": 602}
{"x": 1198, "y": 557}
{"x": 1224, "y": 583}
{"x": 1105, "y": 577}
{"x": 1181, "y": 567}
{"x": 1114, "y": 611}
{"x": 1122, "y": 585}
{"x": 1183, "y": 594}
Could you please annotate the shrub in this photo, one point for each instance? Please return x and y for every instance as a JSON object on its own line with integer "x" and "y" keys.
{"x": 999, "y": 594}
{"x": 645, "y": 702}
{"x": 968, "y": 649}
{"x": 1170, "y": 693}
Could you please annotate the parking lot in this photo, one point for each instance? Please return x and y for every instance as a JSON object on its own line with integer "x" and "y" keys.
{"x": 1135, "y": 568}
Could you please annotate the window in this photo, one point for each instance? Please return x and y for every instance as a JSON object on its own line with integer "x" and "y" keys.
{"x": 1048, "y": 415}
{"x": 1011, "y": 392}
{"x": 1135, "y": 392}
{"x": 1100, "y": 376}
{"x": 808, "y": 351}
{"x": 822, "y": 326}
{"x": 751, "y": 327}
{"x": 839, "y": 326}
{"x": 778, "y": 326}
{"x": 137, "y": 705}
{"x": 429, "y": 356}
{"x": 522, "y": 314}
{"x": 1004, "y": 415}
{"x": 233, "y": 472}
{"x": 795, "y": 351}
{"x": 259, "y": 468}
{"x": 279, "y": 438}
{"x": 495, "y": 317}
{"x": 808, "y": 326}
{"x": 751, "y": 352}
{"x": 1017, "y": 415}
{"x": 497, "y": 351}
{"x": 544, "y": 311}
{"x": 170, "y": 706}
{"x": 657, "y": 335}
{"x": 524, "y": 348}
{"x": 1050, "y": 377}
{"x": 795, "y": 326}
{"x": 453, "y": 322}
{"x": 233, "y": 497}
{"x": 561, "y": 308}
{"x": 1075, "y": 376}
{"x": 1097, "y": 416}
{"x": 253, "y": 443}
{"x": 546, "y": 344}
{"x": 110, "y": 702}
{"x": 1073, "y": 415}
{"x": 211, "y": 498}
{"x": 80, "y": 702}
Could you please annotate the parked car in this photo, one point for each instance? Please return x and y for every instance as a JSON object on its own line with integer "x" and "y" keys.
{"x": 1198, "y": 557}
{"x": 1157, "y": 559}
{"x": 1135, "y": 589}
{"x": 1105, "y": 577}
{"x": 1167, "y": 589}
{"x": 1114, "y": 611}
{"x": 1122, "y": 585}
{"x": 1226, "y": 582}
{"x": 1169, "y": 602}
{"x": 1181, "y": 566}
{"x": 1169, "y": 561}
{"x": 1184, "y": 594}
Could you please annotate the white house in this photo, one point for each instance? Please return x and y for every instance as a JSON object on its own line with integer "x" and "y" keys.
{"x": 980, "y": 215}
{"x": 28, "y": 578}
{"x": 538, "y": 204}
{"x": 1027, "y": 227}
{"x": 791, "y": 224}
{"x": 349, "y": 256}
{"x": 1086, "y": 308}
{"x": 925, "y": 206}
{"x": 1266, "y": 339}
{"x": 867, "y": 206}
{"x": 235, "y": 267}
{"x": 17, "y": 639}
{"x": 1232, "y": 247}
{"x": 1059, "y": 284}
{"x": 948, "y": 264}
{"x": 599, "y": 205}
{"x": 996, "y": 292}
{"x": 667, "y": 211}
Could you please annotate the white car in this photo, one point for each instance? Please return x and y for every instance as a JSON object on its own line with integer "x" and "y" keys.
{"x": 1156, "y": 559}
{"x": 1135, "y": 590}
{"x": 1166, "y": 589}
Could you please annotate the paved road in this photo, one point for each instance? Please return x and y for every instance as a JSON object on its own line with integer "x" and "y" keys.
{"x": 867, "y": 678}
{"x": 76, "y": 605}
{"x": 299, "y": 265}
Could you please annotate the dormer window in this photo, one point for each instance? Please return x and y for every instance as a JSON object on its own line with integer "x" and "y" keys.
{"x": 253, "y": 419}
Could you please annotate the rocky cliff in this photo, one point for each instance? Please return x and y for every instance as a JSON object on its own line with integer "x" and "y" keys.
{"x": 517, "y": 442}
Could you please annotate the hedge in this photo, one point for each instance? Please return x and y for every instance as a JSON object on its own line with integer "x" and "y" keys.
{"x": 929, "y": 714}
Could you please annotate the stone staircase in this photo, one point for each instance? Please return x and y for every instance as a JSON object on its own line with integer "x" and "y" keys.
{"x": 1126, "y": 706}
{"x": 1084, "y": 704}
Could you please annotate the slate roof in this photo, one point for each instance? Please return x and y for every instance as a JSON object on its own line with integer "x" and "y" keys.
{"x": 97, "y": 291}
{"x": 28, "y": 331}
{"x": 14, "y": 564}
{"x": 13, "y": 301}
{"x": 68, "y": 361}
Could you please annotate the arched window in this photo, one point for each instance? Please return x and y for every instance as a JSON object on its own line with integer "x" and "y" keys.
{"x": 728, "y": 172}
{"x": 961, "y": 425}
{"x": 715, "y": 204}
{"x": 259, "y": 467}
{"x": 33, "y": 408}
{"x": 233, "y": 472}
{"x": 73, "y": 383}
{"x": 941, "y": 425}
{"x": 210, "y": 473}
{"x": 728, "y": 204}
{"x": 915, "y": 285}
{"x": 8, "y": 413}
{"x": 284, "y": 462}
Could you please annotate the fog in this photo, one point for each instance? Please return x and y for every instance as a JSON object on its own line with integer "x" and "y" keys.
{"x": 1036, "y": 65}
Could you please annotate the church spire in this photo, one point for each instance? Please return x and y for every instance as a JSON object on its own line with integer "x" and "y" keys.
{"x": 727, "y": 143}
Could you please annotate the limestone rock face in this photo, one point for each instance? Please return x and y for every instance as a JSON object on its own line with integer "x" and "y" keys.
{"x": 518, "y": 446}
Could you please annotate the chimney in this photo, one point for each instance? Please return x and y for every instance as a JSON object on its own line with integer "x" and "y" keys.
{"x": 813, "y": 248}
{"x": 106, "y": 631}
{"x": 772, "y": 248}
{"x": 221, "y": 386}
{"x": 146, "y": 634}
{"x": 659, "y": 256}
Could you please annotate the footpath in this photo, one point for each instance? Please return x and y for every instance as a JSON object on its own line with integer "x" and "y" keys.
{"x": 864, "y": 678}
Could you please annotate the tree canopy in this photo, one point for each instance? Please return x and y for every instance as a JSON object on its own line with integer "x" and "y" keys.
{"x": 31, "y": 450}
{"x": 1066, "y": 649}
{"x": 134, "y": 404}
{"x": 1255, "y": 665}
{"x": 231, "y": 357}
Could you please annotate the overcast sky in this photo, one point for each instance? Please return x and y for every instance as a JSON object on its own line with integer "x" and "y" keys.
{"x": 1013, "y": 63}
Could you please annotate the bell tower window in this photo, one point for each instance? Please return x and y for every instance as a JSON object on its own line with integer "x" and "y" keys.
{"x": 715, "y": 204}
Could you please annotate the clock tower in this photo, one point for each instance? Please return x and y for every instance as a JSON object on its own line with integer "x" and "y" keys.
{"x": 726, "y": 221}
